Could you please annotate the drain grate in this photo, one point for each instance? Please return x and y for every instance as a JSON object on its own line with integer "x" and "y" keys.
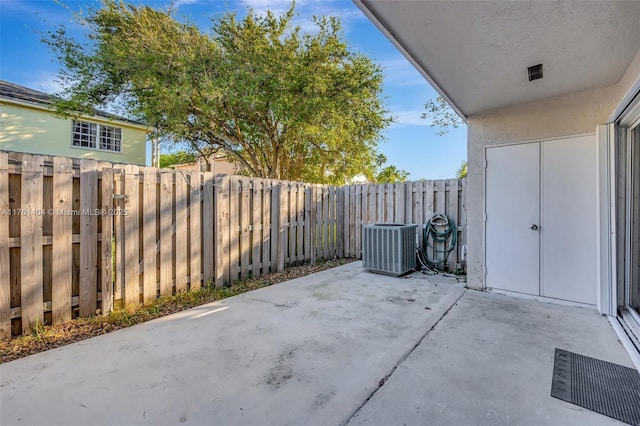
{"x": 600, "y": 386}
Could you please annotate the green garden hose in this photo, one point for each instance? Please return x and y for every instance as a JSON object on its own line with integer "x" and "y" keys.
{"x": 440, "y": 236}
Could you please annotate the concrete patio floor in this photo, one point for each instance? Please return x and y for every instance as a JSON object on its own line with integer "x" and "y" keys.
{"x": 340, "y": 346}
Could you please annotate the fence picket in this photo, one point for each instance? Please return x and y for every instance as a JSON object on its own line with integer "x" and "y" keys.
{"x": 463, "y": 213}
{"x": 221, "y": 207}
{"x": 266, "y": 227}
{"x": 408, "y": 202}
{"x": 234, "y": 229}
{"x": 131, "y": 236}
{"x": 300, "y": 224}
{"x": 149, "y": 238}
{"x": 31, "y": 242}
{"x": 418, "y": 207}
{"x": 166, "y": 233}
{"x": 282, "y": 225}
{"x": 5, "y": 275}
{"x": 106, "y": 244}
{"x": 208, "y": 227}
{"x": 353, "y": 222}
{"x": 399, "y": 216}
{"x": 245, "y": 215}
{"x": 452, "y": 213}
{"x": 195, "y": 231}
{"x": 346, "y": 217}
{"x": 332, "y": 222}
{"x": 339, "y": 223}
{"x": 88, "y": 237}
{"x": 62, "y": 249}
{"x": 256, "y": 225}
{"x": 181, "y": 230}
{"x": 118, "y": 233}
{"x": 371, "y": 207}
{"x": 275, "y": 225}
{"x": 307, "y": 223}
{"x": 440, "y": 196}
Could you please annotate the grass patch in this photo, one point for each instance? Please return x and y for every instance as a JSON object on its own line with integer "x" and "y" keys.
{"x": 49, "y": 337}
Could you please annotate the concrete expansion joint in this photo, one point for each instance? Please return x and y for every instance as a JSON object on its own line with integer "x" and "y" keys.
{"x": 402, "y": 359}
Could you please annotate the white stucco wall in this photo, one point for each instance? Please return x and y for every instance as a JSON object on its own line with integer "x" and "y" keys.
{"x": 555, "y": 117}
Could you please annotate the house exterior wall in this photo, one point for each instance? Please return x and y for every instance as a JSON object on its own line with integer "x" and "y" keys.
{"x": 218, "y": 167}
{"x": 38, "y": 131}
{"x": 556, "y": 117}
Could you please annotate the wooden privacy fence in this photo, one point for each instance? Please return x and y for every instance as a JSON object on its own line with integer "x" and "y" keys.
{"x": 408, "y": 202}
{"x": 78, "y": 237}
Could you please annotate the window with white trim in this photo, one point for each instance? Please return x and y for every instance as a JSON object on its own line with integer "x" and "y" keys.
{"x": 96, "y": 136}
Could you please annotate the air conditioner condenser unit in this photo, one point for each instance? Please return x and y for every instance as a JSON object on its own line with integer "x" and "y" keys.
{"x": 389, "y": 248}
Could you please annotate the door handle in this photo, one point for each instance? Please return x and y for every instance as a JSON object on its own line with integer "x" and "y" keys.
{"x": 534, "y": 227}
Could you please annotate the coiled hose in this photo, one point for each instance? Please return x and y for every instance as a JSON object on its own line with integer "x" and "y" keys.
{"x": 440, "y": 236}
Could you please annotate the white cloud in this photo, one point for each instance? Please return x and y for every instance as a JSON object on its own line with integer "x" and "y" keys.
{"x": 400, "y": 73}
{"x": 307, "y": 9}
{"x": 178, "y": 3}
{"x": 47, "y": 83}
{"x": 409, "y": 118}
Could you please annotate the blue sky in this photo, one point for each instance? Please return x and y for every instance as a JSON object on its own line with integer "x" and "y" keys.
{"x": 411, "y": 144}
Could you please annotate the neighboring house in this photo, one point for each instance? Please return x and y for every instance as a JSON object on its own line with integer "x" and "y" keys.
{"x": 218, "y": 164}
{"x": 359, "y": 179}
{"x": 550, "y": 92}
{"x": 27, "y": 124}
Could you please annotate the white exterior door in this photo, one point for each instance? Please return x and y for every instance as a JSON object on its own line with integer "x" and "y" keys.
{"x": 569, "y": 225}
{"x": 541, "y": 224}
{"x": 512, "y": 207}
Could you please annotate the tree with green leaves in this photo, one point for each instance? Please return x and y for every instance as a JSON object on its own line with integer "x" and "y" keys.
{"x": 462, "y": 171}
{"x": 178, "y": 157}
{"x": 441, "y": 115}
{"x": 391, "y": 174}
{"x": 278, "y": 102}
{"x": 388, "y": 174}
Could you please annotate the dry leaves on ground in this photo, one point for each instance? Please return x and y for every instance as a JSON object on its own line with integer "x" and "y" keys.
{"x": 49, "y": 337}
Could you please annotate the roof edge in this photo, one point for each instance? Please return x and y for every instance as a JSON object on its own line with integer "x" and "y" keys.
{"x": 103, "y": 118}
{"x": 22, "y": 95}
{"x": 407, "y": 54}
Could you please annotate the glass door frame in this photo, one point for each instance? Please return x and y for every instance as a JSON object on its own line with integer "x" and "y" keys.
{"x": 629, "y": 131}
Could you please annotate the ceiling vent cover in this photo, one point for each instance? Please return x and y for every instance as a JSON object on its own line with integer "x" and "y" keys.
{"x": 389, "y": 248}
{"x": 535, "y": 72}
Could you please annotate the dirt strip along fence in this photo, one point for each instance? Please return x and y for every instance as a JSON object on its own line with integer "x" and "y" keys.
{"x": 80, "y": 237}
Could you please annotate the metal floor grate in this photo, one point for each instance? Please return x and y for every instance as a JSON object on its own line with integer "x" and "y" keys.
{"x": 600, "y": 386}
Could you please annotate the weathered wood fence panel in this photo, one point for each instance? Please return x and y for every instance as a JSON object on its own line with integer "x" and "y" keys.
{"x": 409, "y": 202}
{"x": 80, "y": 237}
